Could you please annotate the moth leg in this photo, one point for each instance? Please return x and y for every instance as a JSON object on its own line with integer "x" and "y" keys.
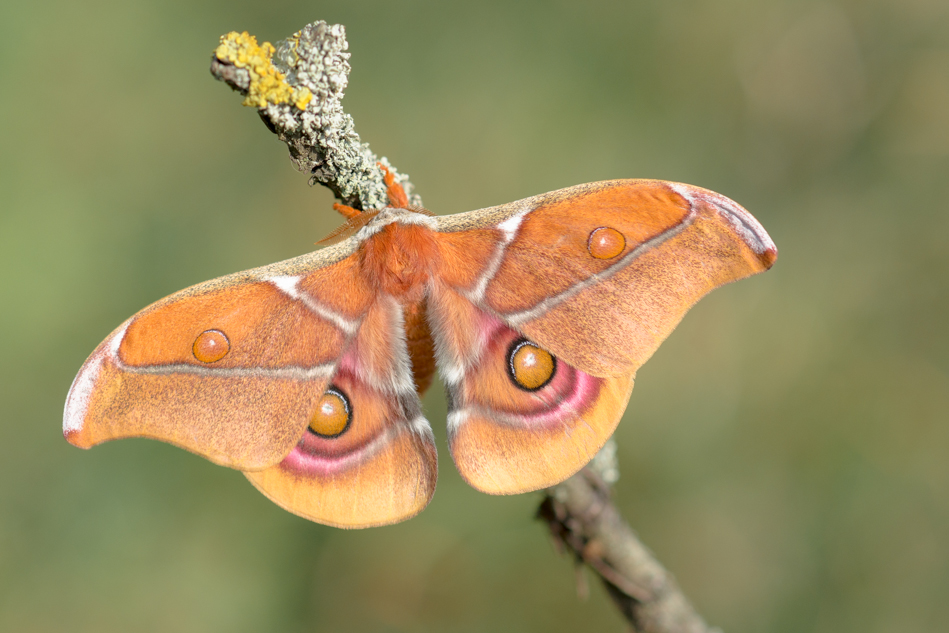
{"x": 347, "y": 212}
{"x": 397, "y": 196}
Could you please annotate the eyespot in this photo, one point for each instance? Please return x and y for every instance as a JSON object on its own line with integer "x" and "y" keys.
{"x": 333, "y": 414}
{"x": 530, "y": 367}
{"x": 606, "y": 243}
{"x": 211, "y": 346}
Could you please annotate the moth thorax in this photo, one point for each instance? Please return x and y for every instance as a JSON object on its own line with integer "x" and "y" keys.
{"x": 398, "y": 259}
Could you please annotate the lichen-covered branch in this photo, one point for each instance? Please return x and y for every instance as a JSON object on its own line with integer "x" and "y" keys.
{"x": 585, "y": 523}
{"x": 297, "y": 88}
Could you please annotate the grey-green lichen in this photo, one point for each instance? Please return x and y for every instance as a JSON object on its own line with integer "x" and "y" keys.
{"x": 302, "y": 105}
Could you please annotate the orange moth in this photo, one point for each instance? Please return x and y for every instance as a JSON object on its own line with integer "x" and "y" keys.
{"x": 306, "y": 374}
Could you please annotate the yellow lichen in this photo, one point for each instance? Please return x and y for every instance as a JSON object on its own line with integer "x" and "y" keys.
{"x": 267, "y": 84}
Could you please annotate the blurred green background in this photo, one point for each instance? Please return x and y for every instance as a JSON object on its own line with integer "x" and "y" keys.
{"x": 785, "y": 453}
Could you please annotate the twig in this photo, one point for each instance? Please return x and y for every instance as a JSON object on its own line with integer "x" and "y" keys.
{"x": 584, "y": 521}
{"x": 298, "y": 87}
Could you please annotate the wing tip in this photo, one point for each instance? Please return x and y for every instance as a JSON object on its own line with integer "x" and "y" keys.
{"x": 768, "y": 257}
{"x": 745, "y": 224}
{"x": 77, "y": 438}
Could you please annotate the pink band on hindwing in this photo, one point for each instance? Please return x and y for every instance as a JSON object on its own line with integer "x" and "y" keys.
{"x": 488, "y": 387}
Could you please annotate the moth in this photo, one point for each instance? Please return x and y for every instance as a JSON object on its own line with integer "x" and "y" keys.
{"x": 306, "y": 374}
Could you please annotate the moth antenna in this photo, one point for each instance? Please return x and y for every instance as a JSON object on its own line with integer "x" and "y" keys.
{"x": 394, "y": 190}
{"x": 349, "y": 228}
{"x": 346, "y": 212}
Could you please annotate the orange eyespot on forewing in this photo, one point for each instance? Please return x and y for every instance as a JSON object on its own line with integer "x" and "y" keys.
{"x": 211, "y": 346}
{"x": 606, "y": 243}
